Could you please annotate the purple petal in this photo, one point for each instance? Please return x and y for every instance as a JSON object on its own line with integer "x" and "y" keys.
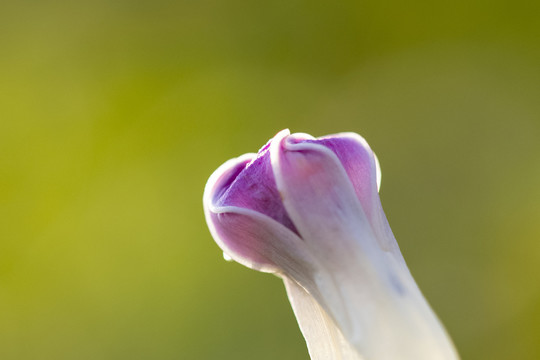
{"x": 259, "y": 242}
{"x": 363, "y": 170}
{"x": 319, "y": 197}
{"x": 254, "y": 187}
{"x": 249, "y": 237}
{"x": 358, "y": 161}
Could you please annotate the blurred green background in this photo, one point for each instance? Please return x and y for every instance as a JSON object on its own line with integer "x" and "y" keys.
{"x": 114, "y": 113}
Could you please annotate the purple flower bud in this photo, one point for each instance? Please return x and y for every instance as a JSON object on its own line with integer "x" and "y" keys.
{"x": 308, "y": 210}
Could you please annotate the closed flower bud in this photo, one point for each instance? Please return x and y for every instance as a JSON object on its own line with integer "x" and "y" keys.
{"x": 308, "y": 210}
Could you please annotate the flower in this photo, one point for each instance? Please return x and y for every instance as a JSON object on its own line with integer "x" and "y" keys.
{"x": 308, "y": 210}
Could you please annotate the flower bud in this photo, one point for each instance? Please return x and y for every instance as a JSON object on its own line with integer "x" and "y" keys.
{"x": 308, "y": 210}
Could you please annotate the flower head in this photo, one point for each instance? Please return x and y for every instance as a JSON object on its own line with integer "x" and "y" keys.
{"x": 308, "y": 210}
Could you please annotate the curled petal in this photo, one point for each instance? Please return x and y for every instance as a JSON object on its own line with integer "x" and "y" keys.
{"x": 319, "y": 197}
{"x": 250, "y": 185}
{"x": 321, "y": 201}
{"x": 364, "y": 172}
{"x": 356, "y": 265}
{"x": 250, "y": 237}
{"x": 358, "y": 160}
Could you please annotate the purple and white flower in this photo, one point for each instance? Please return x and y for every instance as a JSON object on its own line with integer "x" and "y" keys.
{"x": 308, "y": 210}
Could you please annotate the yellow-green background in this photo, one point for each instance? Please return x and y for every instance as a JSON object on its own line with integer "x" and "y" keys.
{"x": 114, "y": 113}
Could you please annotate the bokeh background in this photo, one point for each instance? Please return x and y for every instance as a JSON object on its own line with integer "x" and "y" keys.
{"x": 114, "y": 113}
